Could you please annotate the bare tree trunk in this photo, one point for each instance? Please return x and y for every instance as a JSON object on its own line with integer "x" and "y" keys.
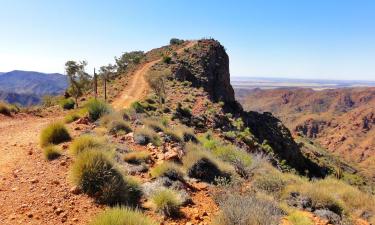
{"x": 95, "y": 85}
{"x": 105, "y": 89}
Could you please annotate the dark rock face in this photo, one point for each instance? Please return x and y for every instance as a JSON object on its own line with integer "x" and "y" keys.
{"x": 332, "y": 217}
{"x": 311, "y": 128}
{"x": 208, "y": 68}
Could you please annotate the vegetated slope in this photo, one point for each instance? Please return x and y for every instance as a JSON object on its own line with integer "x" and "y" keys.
{"x": 20, "y": 84}
{"x": 341, "y": 120}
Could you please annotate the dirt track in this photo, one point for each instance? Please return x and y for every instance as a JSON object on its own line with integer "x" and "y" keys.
{"x": 138, "y": 87}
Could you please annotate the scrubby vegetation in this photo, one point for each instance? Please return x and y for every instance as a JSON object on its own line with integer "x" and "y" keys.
{"x": 67, "y": 103}
{"x": 95, "y": 173}
{"x": 137, "y": 157}
{"x": 119, "y": 126}
{"x": 4, "y": 109}
{"x": 51, "y": 152}
{"x": 54, "y": 133}
{"x": 87, "y": 142}
{"x": 167, "y": 202}
{"x": 122, "y": 216}
{"x": 143, "y": 136}
{"x": 69, "y": 118}
{"x": 168, "y": 169}
{"x": 97, "y": 109}
{"x": 299, "y": 218}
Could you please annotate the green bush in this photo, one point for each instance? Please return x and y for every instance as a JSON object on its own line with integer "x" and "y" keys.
{"x": 122, "y": 216}
{"x": 138, "y": 107}
{"x": 97, "y": 176}
{"x": 97, "y": 109}
{"x": 54, "y": 133}
{"x": 51, "y": 152}
{"x": 173, "y": 135}
{"x": 118, "y": 126}
{"x": 271, "y": 183}
{"x": 137, "y": 157}
{"x": 154, "y": 124}
{"x": 143, "y": 136}
{"x": 167, "y": 202}
{"x": 87, "y": 142}
{"x": 67, "y": 103}
{"x": 299, "y": 218}
{"x": 203, "y": 166}
{"x": 176, "y": 41}
{"x": 167, "y": 59}
{"x": 71, "y": 117}
{"x": 168, "y": 169}
{"x": 4, "y": 109}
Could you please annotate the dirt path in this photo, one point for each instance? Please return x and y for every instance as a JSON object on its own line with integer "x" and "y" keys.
{"x": 138, "y": 87}
{"x": 33, "y": 190}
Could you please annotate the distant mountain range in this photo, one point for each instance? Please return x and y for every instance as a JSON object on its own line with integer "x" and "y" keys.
{"x": 28, "y": 87}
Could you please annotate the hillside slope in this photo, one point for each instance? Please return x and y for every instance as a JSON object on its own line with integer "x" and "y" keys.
{"x": 341, "y": 120}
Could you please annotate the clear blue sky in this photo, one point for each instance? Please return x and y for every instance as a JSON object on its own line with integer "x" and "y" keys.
{"x": 331, "y": 39}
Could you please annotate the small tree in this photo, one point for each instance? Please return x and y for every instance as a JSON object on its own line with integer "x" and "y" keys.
{"x": 156, "y": 80}
{"x": 107, "y": 72}
{"x": 79, "y": 80}
{"x": 128, "y": 58}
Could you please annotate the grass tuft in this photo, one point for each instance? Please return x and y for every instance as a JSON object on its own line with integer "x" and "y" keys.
{"x": 122, "y": 216}
{"x": 97, "y": 176}
{"x": 97, "y": 109}
{"x": 167, "y": 202}
{"x": 137, "y": 157}
{"x": 87, "y": 142}
{"x": 168, "y": 169}
{"x": 299, "y": 218}
{"x": 143, "y": 136}
{"x": 51, "y": 152}
{"x": 54, "y": 133}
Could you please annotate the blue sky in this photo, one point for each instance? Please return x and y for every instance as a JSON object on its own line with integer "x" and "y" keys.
{"x": 325, "y": 39}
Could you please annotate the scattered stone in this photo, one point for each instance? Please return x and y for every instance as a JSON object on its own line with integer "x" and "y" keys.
{"x": 30, "y": 215}
{"x": 332, "y": 217}
{"x": 34, "y": 181}
{"x": 58, "y": 211}
{"x": 75, "y": 219}
{"x": 63, "y": 163}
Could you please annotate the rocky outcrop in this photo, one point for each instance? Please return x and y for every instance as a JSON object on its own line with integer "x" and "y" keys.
{"x": 207, "y": 65}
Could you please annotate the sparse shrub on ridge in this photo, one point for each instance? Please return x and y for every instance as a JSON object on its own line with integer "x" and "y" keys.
{"x": 4, "y": 109}
{"x": 97, "y": 109}
{"x": 299, "y": 218}
{"x": 168, "y": 169}
{"x": 71, "y": 117}
{"x": 247, "y": 210}
{"x": 87, "y": 142}
{"x": 51, "y": 152}
{"x": 118, "y": 126}
{"x": 54, "y": 133}
{"x": 176, "y": 41}
{"x": 97, "y": 176}
{"x": 143, "y": 136}
{"x": 203, "y": 166}
{"x": 167, "y": 59}
{"x": 137, "y": 157}
{"x": 122, "y": 216}
{"x": 167, "y": 202}
{"x": 67, "y": 103}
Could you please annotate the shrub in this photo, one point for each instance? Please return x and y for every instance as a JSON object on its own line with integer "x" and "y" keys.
{"x": 168, "y": 169}
{"x": 271, "y": 183}
{"x": 173, "y": 135}
{"x": 188, "y": 135}
{"x": 67, "y": 103}
{"x": 176, "y": 41}
{"x": 71, "y": 117}
{"x": 203, "y": 166}
{"x": 137, "y": 157}
{"x": 97, "y": 109}
{"x": 138, "y": 107}
{"x": 167, "y": 201}
{"x": 122, "y": 216}
{"x": 143, "y": 136}
{"x": 4, "y": 109}
{"x": 154, "y": 124}
{"x": 117, "y": 126}
{"x": 299, "y": 218}
{"x": 108, "y": 118}
{"x": 167, "y": 59}
{"x": 247, "y": 210}
{"x": 51, "y": 152}
{"x": 96, "y": 175}
{"x": 54, "y": 133}
{"x": 87, "y": 142}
